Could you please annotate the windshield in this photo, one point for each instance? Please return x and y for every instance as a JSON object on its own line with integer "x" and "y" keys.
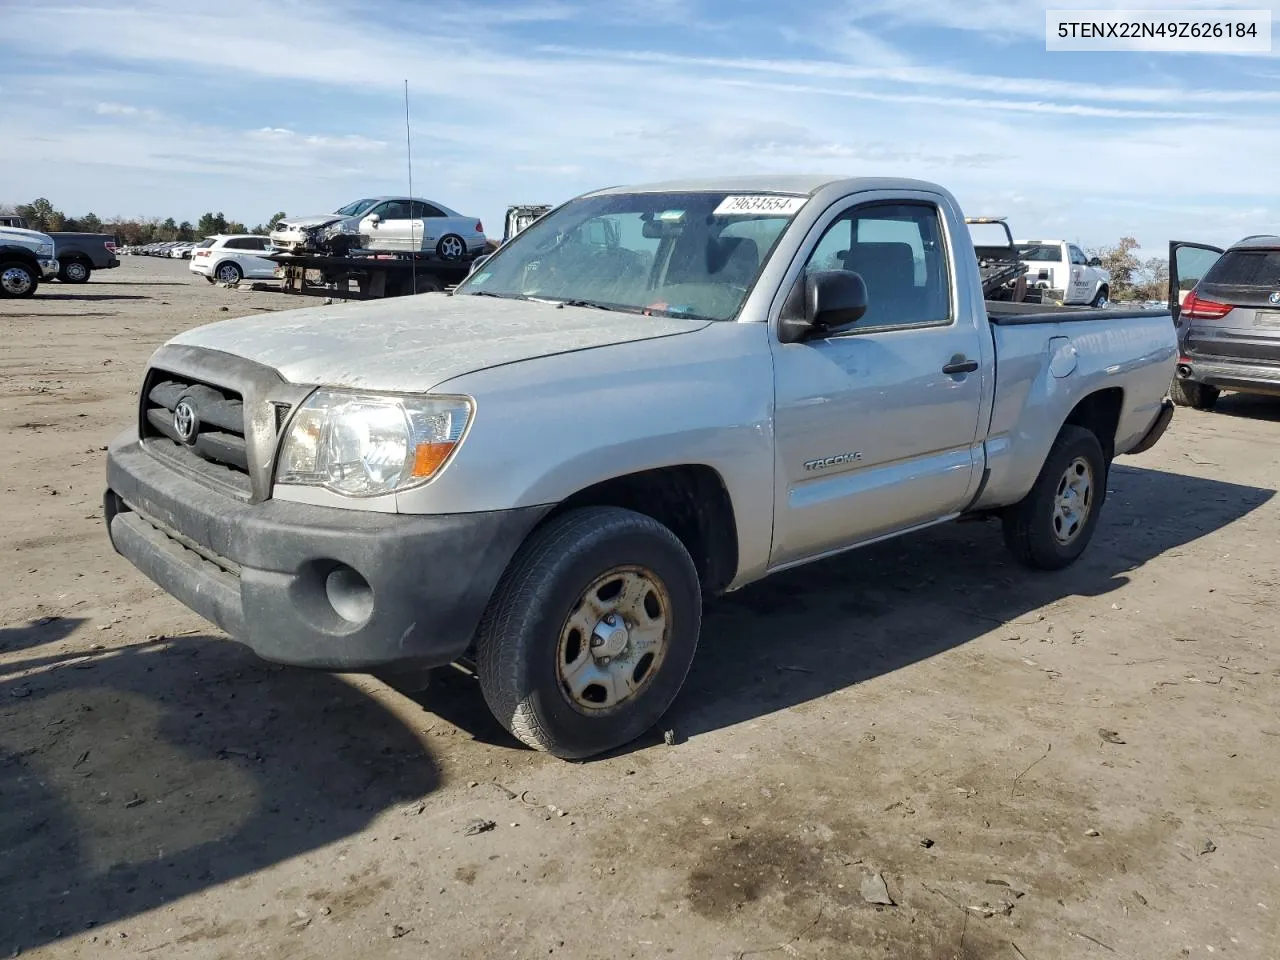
{"x": 676, "y": 254}
{"x": 355, "y": 209}
{"x": 1040, "y": 252}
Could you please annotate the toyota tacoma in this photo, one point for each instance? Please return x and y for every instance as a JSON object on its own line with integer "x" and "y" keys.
{"x": 649, "y": 396}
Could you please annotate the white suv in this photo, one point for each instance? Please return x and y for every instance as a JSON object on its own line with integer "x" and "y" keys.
{"x": 230, "y": 258}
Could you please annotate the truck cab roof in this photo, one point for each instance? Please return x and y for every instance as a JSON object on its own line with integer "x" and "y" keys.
{"x": 793, "y": 183}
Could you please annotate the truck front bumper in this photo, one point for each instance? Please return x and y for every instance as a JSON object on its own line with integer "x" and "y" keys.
{"x": 336, "y": 589}
{"x": 49, "y": 268}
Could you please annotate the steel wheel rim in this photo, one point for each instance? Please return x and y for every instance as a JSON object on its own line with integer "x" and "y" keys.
{"x": 451, "y": 246}
{"x": 16, "y": 280}
{"x": 76, "y": 271}
{"x": 228, "y": 274}
{"x": 614, "y": 639}
{"x": 1072, "y": 501}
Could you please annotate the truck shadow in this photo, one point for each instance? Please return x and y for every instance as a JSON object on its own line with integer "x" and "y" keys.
{"x": 91, "y": 295}
{"x": 1248, "y": 407}
{"x": 800, "y": 635}
{"x": 133, "y": 776}
{"x": 807, "y": 632}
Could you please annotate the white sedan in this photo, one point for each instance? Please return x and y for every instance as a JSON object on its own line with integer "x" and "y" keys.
{"x": 401, "y": 224}
{"x": 230, "y": 258}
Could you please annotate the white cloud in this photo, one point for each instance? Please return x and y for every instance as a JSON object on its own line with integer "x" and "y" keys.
{"x": 498, "y": 120}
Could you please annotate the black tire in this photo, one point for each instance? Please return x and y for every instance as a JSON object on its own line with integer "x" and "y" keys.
{"x": 1197, "y": 396}
{"x": 211, "y": 278}
{"x": 451, "y": 247}
{"x": 74, "y": 271}
{"x": 18, "y": 280}
{"x": 1101, "y": 297}
{"x": 228, "y": 272}
{"x": 518, "y": 642}
{"x": 1033, "y": 528}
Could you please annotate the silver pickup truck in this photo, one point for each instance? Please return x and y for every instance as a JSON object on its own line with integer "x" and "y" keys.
{"x": 651, "y": 395}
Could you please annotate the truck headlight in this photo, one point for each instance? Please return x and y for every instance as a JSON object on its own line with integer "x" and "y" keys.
{"x": 44, "y": 250}
{"x": 363, "y": 445}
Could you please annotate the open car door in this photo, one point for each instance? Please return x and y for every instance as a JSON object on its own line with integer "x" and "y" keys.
{"x": 1188, "y": 263}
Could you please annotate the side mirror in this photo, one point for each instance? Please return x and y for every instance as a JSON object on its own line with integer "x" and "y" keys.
{"x": 1095, "y": 262}
{"x": 375, "y": 218}
{"x": 830, "y": 302}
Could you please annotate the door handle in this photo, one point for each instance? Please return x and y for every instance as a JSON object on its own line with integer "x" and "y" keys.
{"x": 959, "y": 364}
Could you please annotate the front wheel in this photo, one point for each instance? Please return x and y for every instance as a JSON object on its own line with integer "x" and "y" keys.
{"x": 1101, "y": 298}
{"x": 1197, "y": 396}
{"x": 1053, "y": 523}
{"x": 451, "y": 247}
{"x": 590, "y": 633}
{"x": 17, "y": 280}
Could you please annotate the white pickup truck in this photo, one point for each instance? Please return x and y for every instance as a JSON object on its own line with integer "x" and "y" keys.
{"x": 1063, "y": 271}
{"x": 650, "y": 395}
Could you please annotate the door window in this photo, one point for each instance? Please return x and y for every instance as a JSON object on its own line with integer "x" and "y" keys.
{"x": 898, "y": 250}
{"x": 392, "y": 210}
{"x": 1078, "y": 257}
{"x": 418, "y": 209}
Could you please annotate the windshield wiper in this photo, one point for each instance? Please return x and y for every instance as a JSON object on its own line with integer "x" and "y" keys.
{"x": 490, "y": 293}
{"x": 586, "y": 303}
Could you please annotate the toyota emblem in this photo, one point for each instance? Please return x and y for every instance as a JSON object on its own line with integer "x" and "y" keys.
{"x": 185, "y": 422}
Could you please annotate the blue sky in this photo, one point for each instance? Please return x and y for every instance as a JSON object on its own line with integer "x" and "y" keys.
{"x": 169, "y": 108}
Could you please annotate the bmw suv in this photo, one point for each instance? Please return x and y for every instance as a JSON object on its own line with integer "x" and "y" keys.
{"x": 1228, "y": 321}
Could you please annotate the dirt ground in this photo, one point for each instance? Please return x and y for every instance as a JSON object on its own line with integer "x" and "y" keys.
{"x": 1078, "y": 765}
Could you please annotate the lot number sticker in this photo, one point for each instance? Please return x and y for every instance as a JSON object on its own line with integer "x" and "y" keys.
{"x": 778, "y": 206}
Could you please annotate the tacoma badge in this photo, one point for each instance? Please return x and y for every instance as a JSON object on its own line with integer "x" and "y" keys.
{"x": 832, "y": 461}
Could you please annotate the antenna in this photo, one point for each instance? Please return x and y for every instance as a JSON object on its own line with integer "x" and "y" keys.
{"x": 408, "y": 148}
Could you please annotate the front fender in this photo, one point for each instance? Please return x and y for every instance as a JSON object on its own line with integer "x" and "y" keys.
{"x": 545, "y": 429}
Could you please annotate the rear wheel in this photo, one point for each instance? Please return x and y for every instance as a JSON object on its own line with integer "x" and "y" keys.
{"x": 1054, "y": 523}
{"x": 229, "y": 272}
{"x": 17, "y": 279}
{"x": 74, "y": 271}
{"x": 1197, "y": 396}
{"x": 590, "y": 633}
{"x": 451, "y": 247}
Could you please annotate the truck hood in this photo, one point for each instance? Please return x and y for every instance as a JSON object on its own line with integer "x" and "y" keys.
{"x": 18, "y": 235}
{"x": 411, "y": 344}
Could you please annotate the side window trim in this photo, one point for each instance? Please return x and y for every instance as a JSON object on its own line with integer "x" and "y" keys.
{"x": 848, "y": 214}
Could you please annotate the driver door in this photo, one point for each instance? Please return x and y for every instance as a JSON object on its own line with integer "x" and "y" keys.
{"x": 388, "y": 226}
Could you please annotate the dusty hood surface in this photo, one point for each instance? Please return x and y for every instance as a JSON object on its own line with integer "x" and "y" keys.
{"x": 411, "y": 344}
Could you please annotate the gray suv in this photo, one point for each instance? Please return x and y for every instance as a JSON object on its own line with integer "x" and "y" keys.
{"x": 1228, "y": 320}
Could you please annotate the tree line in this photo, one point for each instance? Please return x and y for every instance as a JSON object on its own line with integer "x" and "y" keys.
{"x": 43, "y": 216}
{"x": 1131, "y": 278}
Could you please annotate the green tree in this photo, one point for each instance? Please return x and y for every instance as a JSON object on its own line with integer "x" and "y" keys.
{"x": 211, "y": 223}
{"x": 90, "y": 223}
{"x": 186, "y": 231}
{"x": 1123, "y": 265}
{"x": 40, "y": 214}
{"x": 170, "y": 228}
{"x": 275, "y": 218}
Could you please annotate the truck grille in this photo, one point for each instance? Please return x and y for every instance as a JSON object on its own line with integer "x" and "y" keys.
{"x": 207, "y": 436}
